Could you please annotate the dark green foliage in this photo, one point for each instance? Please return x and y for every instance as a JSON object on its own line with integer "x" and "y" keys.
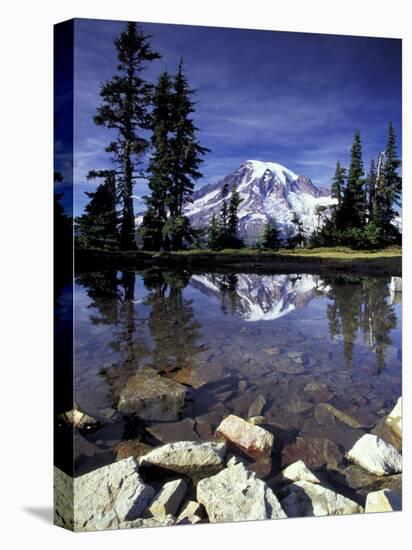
{"x": 371, "y": 190}
{"x": 388, "y": 189}
{"x": 337, "y": 192}
{"x": 160, "y": 165}
{"x": 270, "y": 238}
{"x": 353, "y": 204}
{"x": 174, "y": 165}
{"x": 124, "y": 108}
{"x": 223, "y": 232}
{"x": 213, "y": 234}
{"x": 363, "y": 217}
{"x": 299, "y": 238}
{"x": 232, "y": 238}
{"x": 186, "y": 153}
{"x": 97, "y": 227}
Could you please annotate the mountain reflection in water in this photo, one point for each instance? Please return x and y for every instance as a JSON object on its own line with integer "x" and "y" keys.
{"x": 228, "y": 338}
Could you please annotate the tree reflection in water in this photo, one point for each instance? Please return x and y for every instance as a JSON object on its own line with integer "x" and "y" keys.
{"x": 361, "y": 304}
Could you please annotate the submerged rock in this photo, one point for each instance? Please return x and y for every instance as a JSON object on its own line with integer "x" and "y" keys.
{"x": 289, "y": 366}
{"x": 363, "y": 481}
{"x": 298, "y": 471}
{"x": 201, "y": 375}
{"x": 106, "y": 497}
{"x": 316, "y": 453}
{"x": 235, "y": 494}
{"x": 298, "y": 407}
{"x": 257, "y": 406}
{"x": 170, "y": 432}
{"x": 169, "y": 498}
{"x": 151, "y": 396}
{"x": 383, "y": 501}
{"x": 299, "y": 357}
{"x": 376, "y": 456}
{"x": 187, "y": 457}
{"x": 254, "y": 441}
{"x": 355, "y": 417}
{"x": 320, "y": 393}
{"x": 310, "y": 499}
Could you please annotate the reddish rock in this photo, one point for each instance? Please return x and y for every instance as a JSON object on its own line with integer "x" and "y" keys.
{"x": 254, "y": 441}
{"x": 201, "y": 375}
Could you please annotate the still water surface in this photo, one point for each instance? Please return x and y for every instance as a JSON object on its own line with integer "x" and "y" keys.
{"x": 289, "y": 341}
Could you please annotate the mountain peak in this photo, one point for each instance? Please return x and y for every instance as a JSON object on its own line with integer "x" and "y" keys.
{"x": 270, "y": 192}
{"x": 260, "y": 167}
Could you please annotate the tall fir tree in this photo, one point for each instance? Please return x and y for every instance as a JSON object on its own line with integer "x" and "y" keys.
{"x": 124, "y": 108}
{"x": 391, "y": 193}
{"x": 213, "y": 234}
{"x": 371, "y": 190}
{"x": 160, "y": 165}
{"x": 270, "y": 238}
{"x": 337, "y": 192}
{"x": 97, "y": 227}
{"x": 186, "y": 153}
{"x": 299, "y": 237}
{"x": 353, "y": 205}
{"x": 233, "y": 240}
{"x": 223, "y": 215}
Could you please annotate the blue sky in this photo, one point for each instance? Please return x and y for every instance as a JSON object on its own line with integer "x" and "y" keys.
{"x": 292, "y": 98}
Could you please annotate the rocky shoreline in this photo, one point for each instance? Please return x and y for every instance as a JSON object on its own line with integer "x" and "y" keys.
{"x": 231, "y": 479}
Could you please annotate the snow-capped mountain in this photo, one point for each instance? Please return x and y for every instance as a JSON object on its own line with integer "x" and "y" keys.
{"x": 269, "y": 192}
{"x": 263, "y": 298}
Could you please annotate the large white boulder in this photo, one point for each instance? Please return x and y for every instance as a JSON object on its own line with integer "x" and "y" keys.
{"x": 109, "y": 496}
{"x": 187, "y": 457}
{"x": 236, "y": 494}
{"x": 252, "y": 440}
{"x": 383, "y": 501}
{"x": 310, "y": 499}
{"x": 376, "y": 456}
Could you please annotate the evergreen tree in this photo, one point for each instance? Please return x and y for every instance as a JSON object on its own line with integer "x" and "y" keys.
{"x": 353, "y": 206}
{"x": 213, "y": 235}
{"x": 232, "y": 238}
{"x": 270, "y": 237}
{"x": 371, "y": 188}
{"x": 125, "y": 100}
{"x": 160, "y": 165}
{"x": 186, "y": 153}
{"x": 391, "y": 193}
{"x": 337, "y": 192}
{"x": 338, "y": 184}
{"x": 299, "y": 237}
{"x": 223, "y": 216}
{"x": 97, "y": 227}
